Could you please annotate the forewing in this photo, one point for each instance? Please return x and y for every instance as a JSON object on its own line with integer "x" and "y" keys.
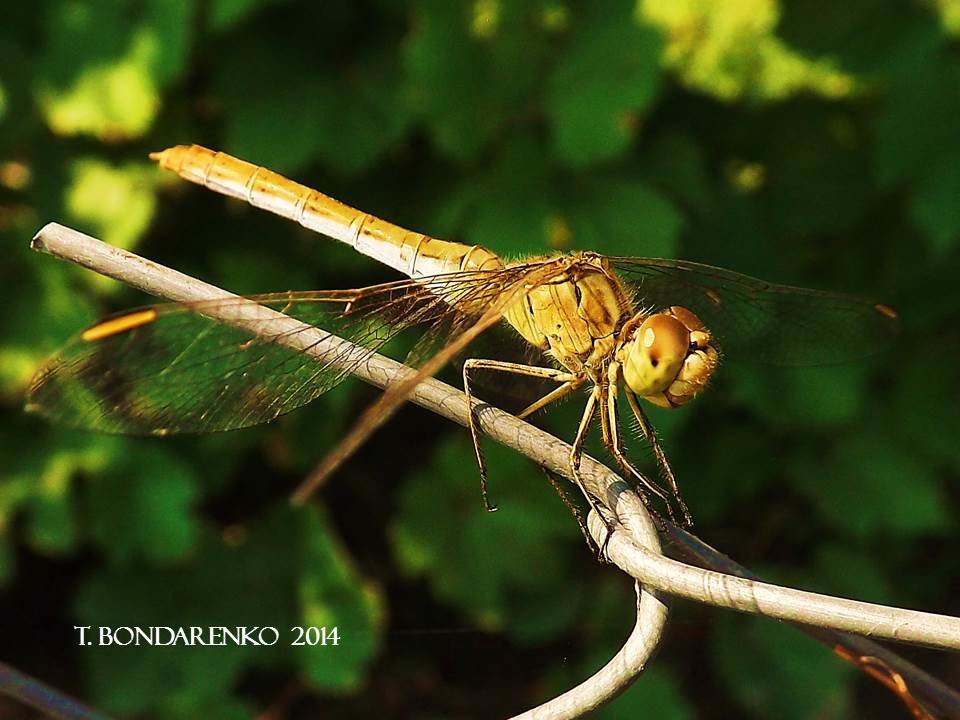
{"x": 756, "y": 320}
{"x": 172, "y": 368}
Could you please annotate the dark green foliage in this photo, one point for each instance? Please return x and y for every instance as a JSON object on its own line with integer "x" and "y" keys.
{"x": 809, "y": 143}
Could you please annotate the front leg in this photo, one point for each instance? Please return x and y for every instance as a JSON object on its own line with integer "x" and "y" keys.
{"x": 615, "y": 447}
{"x": 665, "y": 470}
{"x": 569, "y": 382}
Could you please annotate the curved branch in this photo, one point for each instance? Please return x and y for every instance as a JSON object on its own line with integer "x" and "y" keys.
{"x": 621, "y": 670}
{"x": 626, "y": 546}
{"x": 782, "y": 603}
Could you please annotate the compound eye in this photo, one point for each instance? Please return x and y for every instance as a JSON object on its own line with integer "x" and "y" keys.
{"x": 664, "y": 339}
{"x": 657, "y": 354}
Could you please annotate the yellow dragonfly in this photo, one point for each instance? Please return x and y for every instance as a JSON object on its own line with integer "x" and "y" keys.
{"x": 650, "y": 328}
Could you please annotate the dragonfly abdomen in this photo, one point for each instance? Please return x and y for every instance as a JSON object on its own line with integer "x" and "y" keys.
{"x": 411, "y": 253}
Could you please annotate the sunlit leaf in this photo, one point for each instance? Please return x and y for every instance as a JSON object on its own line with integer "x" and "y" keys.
{"x": 730, "y": 50}
{"x": 949, "y": 15}
{"x": 115, "y": 203}
{"x": 101, "y": 74}
{"x": 111, "y": 102}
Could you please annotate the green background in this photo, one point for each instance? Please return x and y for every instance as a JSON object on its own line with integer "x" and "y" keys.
{"x": 810, "y": 143}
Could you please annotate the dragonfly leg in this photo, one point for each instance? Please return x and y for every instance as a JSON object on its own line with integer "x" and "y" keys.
{"x": 665, "y": 470}
{"x": 615, "y": 446}
{"x": 469, "y": 365}
{"x": 576, "y": 451}
{"x": 552, "y": 396}
{"x": 575, "y": 511}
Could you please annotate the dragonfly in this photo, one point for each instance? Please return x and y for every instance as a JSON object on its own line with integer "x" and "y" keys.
{"x": 649, "y": 329}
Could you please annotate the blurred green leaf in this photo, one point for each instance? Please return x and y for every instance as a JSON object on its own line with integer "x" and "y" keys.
{"x": 469, "y": 74}
{"x": 142, "y": 507}
{"x": 676, "y": 160}
{"x": 169, "y": 29}
{"x": 3, "y": 102}
{"x": 818, "y": 182}
{"x": 37, "y": 320}
{"x": 852, "y": 573}
{"x": 870, "y": 484}
{"x": 604, "y": 82}
{"x": 224, "y": 14}
{"x": 260, "y": 109}
{"x": 510, "y": 207}
{"x": 623, "y": 217}
{"x": 52, "y": 523}
{"x": 934, "y": 207}
{"x": 733, "y": 474}
{"x": 7, "y": 559}
{"x": 522, "y": 206}
{"x": 929, "y": 158}
{"x": 478, "y": 561}
{"x": 332, "y": 597}
{"x": 775, "y": 671}
{"x": 50, "y": 495}
{"x": 805, "y": 396}
{"x": 924, "y": 403}
{"x": 655, "y": 694}
{"x": 345, "y": 116}
{"x": 17, "y": 72}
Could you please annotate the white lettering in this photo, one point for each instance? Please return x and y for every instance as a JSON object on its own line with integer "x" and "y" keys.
{"x": 268, "y": 629}
{"x": 83, "y": 633}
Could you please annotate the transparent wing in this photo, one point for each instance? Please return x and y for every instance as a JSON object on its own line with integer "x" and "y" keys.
{"x": 171, "y": 368}
{"x": 757, "y": 320}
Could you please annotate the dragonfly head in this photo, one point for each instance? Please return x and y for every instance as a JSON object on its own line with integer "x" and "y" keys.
{"x": 667, "y": 357}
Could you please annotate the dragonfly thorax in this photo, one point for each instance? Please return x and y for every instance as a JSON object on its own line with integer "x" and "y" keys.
{"x": 575, "y": 316}
{"x": 666, "y": 357}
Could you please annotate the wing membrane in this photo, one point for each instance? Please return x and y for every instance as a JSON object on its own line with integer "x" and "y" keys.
{"x": 172, "y": 368}
{"x": 754, "y": 319}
